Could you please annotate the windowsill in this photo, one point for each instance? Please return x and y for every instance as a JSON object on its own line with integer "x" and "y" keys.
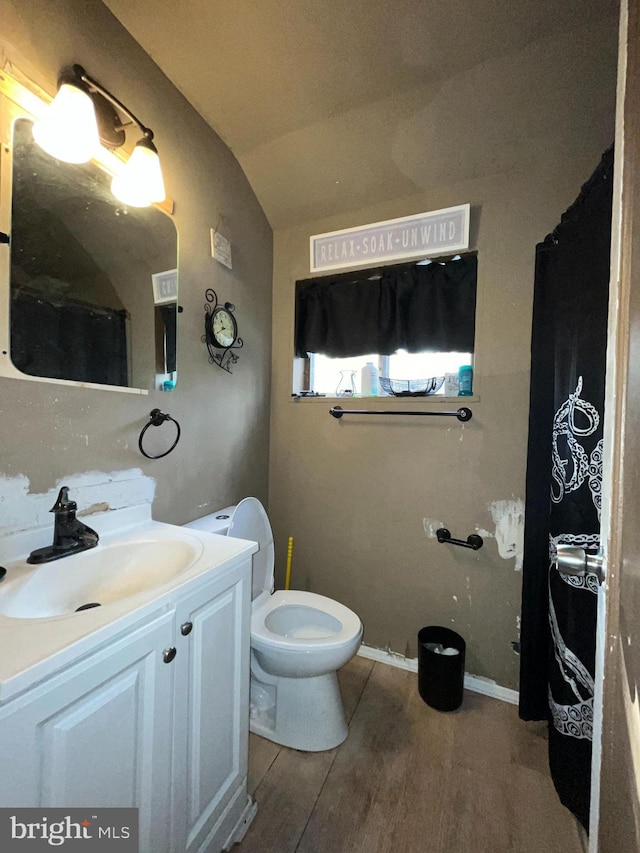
{"x": 393, "y": 402}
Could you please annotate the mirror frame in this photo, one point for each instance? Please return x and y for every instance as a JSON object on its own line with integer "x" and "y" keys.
{"x": 18, "y": 101}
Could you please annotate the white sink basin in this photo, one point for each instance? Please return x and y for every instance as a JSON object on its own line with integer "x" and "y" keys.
{"x": 102, "y": 575}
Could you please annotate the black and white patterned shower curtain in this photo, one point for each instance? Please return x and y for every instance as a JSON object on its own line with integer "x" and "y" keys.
{"x": 564, "y": 479}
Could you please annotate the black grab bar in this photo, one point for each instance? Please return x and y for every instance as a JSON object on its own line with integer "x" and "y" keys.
{"x": 473, "y": 540}
{"x": 462, "y": 414}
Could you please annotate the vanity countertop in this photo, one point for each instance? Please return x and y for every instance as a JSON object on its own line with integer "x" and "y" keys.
{"x": 34, "y": 648}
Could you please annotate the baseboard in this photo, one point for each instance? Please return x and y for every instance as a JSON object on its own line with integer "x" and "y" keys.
{"x": 242, "y": 825}
{"x": 478, "y": 684}
{"x": 388, "y": 657}
{"x": 475, "y": 683}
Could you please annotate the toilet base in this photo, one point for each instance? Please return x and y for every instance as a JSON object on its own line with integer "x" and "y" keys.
{"x": 301, "y": 713}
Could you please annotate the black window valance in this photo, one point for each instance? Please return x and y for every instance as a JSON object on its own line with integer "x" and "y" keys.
{"x": 416, "y": 307}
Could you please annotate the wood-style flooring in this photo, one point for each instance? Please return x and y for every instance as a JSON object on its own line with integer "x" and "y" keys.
{"x": 410, "y": 779}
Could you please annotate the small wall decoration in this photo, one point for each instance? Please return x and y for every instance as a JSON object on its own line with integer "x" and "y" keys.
{"x": 221, "y": 248}
{"x": 165, "y": 286}
{"x": 220, "y": 331}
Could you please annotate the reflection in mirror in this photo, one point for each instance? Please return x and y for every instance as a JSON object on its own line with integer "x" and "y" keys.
{"x": 93, "y": 282}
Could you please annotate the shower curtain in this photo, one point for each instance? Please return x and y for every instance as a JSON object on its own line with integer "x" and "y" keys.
{"x": 564, "y": 478}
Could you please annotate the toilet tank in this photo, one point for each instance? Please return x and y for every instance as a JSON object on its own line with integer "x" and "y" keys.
{"x": 215, "y": 522}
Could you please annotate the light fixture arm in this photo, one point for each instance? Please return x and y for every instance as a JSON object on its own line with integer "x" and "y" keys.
{"x": 94, "y": 86}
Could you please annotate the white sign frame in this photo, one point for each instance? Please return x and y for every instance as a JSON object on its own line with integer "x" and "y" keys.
{"x": 438, "y": 232}
{"x": 221, "y": 248}
{"x": 165, "y": 286}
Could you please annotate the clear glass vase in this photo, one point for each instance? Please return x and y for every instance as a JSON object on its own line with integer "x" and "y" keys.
{"x": 347, "y": 384}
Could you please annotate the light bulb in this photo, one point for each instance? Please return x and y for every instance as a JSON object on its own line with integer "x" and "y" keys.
{"x": 140, "y": 182}
{"x": 68, "y": 130}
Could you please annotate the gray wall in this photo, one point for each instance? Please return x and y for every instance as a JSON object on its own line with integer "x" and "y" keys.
{"x": 516, "y": 137}
{"x": 50, "y": 432}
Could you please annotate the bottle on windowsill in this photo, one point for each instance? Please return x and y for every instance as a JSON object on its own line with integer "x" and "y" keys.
{"x": 369, "y": 380}
{"x": 465, "y": 381}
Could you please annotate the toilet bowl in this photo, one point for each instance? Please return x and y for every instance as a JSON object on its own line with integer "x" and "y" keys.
{"x": 298, "y": 642}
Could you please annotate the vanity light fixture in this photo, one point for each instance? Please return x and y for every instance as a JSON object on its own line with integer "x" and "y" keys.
{"x": 83, "y": 115}
{"x": 140, "y": 181}
{"x": 73, "y": 108}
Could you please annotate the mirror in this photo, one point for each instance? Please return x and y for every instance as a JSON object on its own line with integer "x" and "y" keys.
{"x": 93, "y": 283}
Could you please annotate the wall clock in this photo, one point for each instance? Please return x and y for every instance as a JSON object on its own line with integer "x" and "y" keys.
{"x": 220, "y": 331}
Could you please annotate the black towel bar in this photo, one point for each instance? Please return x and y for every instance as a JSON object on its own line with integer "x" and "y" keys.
{"x": 462, "y": 414}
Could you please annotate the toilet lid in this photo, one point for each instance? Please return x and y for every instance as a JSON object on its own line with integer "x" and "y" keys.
{"x": 250, "y": 521}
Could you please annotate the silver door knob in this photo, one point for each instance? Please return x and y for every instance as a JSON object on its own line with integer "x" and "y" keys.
{"x": 574, "y": 560}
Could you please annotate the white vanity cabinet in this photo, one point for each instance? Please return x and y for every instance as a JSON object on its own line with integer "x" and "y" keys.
{"x": 156, "y": 717}
{"x": 97, "y": 733}
{"x": 211, "y": 712}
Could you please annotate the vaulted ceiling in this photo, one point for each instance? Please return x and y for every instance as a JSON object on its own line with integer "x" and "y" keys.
{"x": 308, "y": 93}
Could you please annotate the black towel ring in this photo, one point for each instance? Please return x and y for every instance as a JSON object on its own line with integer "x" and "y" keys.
{"x": 156, "y": 418}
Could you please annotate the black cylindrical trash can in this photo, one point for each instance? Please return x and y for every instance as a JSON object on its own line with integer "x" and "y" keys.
{"x": 440, "y": 671}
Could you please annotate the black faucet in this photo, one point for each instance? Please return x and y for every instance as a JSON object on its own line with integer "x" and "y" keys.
{"x": 70, "y": 536}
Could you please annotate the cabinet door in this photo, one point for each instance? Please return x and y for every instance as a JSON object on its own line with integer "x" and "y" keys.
{"x": 97, "y": 734}
{"x": 212, "y": 711}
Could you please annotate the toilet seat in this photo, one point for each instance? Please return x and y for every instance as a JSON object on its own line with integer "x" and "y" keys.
{"x": 347, "y": 626}
{"x": 250, "y": 521}
{"x": 334, "y": 625}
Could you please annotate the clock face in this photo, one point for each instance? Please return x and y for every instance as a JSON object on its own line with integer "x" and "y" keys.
{"x": 224, "y": 327}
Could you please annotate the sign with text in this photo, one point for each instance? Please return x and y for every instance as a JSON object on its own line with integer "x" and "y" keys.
{"x": 165, "y": 286}
{"x": 221, "y": 249}
{"x": 101, "y": 829}
{"x": 436, "y": 233}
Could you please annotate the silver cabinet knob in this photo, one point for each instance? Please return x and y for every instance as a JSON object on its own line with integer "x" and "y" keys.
{"x": 169, "y": 654}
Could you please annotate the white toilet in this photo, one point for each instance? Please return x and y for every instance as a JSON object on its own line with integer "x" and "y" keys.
{"x": 298, "y": 642}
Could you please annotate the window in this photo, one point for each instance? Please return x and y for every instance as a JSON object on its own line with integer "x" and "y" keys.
{"x": 413, "y": 321}
{"x": 331, "y": 375}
